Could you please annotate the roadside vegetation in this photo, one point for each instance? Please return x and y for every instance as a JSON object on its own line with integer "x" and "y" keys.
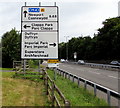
{"x": 77, "y": 96}
{"x": 22, "y": 92}
{"x": 6, "y": 68}
{"x": 26, "y": 92}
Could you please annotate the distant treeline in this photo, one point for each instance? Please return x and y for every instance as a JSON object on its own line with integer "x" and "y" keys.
{"x": 103, "y": 46}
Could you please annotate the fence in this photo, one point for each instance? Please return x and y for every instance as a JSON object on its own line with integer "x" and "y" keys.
{"x": 94, "y": 85}
{"x": 53, "y": 91}
{"x": 101, "y": 66}
{"x": 56, "y": 96}
{"x": 19, "y": 65}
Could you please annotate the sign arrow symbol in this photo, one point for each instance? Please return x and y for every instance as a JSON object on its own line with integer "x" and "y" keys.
{"x": 25, "y": 26}
{"x": 54, "y": 44}
{"x": 25, "y": 12}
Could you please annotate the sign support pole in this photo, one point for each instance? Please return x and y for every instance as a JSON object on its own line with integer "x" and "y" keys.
{"x": 54, "y": 3}
{"x": 39, "y": 60}
{"x": 39, "y": 3}
{"x": 55, "y": 73}
{"x": 39, "y": 66}
{"x": 24, "y": 61}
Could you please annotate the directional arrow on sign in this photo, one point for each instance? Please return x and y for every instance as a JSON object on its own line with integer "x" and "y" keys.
{"x": 25, "y": 26}
{"x": 53, "y": 44}
{"x": 25, "y": 12}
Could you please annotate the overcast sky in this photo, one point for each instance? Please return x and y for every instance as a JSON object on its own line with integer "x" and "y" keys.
{"x": 81, "y": 17}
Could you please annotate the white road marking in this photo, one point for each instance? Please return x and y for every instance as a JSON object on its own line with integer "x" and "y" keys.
{"x": 64, "y": 66}
{"x": 71, "y": 67}
{"x": 88, "y": 71}
{"x": 95, "y": 72}
{"x": 97, "y": 69}
{"x": 112, "y": 76}
{"x": 78, "y": 69}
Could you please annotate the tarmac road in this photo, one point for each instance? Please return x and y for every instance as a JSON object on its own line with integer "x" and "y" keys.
{"x": 105, "y": 78}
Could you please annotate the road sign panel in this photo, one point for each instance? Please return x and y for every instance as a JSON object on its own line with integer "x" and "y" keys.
{"x": 39, "y": 45}
{"x": 53, "y": 65}
{"x": 40, "y": 26}
{"x": 33, "y": 9}
{"x": 53, "y": 61}
{"x": 49, "y": 13}
{"x": 39, "y": 32}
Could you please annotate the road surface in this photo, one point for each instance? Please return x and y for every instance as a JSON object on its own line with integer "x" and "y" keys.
{"x": 105, "y": 78}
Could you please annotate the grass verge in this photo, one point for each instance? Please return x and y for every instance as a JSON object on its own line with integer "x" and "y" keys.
{"x": 22, "y": 92}
{"x": 77, "y": 96}
{"x": 6, "y": 68}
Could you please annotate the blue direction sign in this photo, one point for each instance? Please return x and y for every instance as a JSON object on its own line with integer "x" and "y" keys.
{"x": 33, "y": 9}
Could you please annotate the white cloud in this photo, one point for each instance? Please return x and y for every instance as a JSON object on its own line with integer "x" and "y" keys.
{"x": 76, "y": 18}
{"x": 86, "y": 20}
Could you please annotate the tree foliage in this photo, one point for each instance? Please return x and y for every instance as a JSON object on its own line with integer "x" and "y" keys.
{"x": 10, "y": 48}
{"x": 103, "y": 46}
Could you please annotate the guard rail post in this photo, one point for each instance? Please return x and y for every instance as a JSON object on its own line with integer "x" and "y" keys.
{"x": 65, "y": 75}
{"x": 85, "y": 85}
{"x": 60, "y": 72}
{"x": 78, "y": 82}
{"x": 69, "y": 77}
{"x": 73, "y": 77}
{"x": 119, "y": 86}
{"x": 108, "y": 97}
{"x": 95, "y": 90}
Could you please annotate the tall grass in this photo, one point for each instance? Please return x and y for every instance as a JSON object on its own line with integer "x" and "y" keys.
{"x": 77, "y": 96}
{"x": 22, "y": 92}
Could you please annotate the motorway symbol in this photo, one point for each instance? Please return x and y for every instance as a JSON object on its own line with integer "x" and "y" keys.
{"x": 25, "y": 12}
{"x": 25, "y": 26}
{"x": 54, "y": 44}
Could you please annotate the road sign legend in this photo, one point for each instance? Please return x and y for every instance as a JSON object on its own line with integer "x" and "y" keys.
{"x": 39, "y": 32}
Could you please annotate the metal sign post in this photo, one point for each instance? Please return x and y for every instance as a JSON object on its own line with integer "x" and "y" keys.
{"x": 24, "y": 62}
{"x": 39, "y": 66}
{"x": 24, "y": 65}
{"x": 55, "y": 74}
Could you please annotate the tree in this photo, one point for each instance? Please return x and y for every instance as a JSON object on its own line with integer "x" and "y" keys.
{"x": 10, "y": 48}
{"x": 62, "y": 51}
{"x": 103, "y": 46}
{"x": 108, "y": 39}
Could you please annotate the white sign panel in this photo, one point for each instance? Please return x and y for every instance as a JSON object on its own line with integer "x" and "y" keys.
{"x": 53, "y": 65}
{"x": 49, "y": 13}
{"x": 39, "y": 45}
{"x": 40, "y": 26}
{"x": 75, "y": 55}
{"x": 39, "y": 33}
